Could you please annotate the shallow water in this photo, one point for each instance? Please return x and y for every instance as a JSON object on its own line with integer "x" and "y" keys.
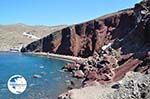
{"x": 49, "y": 86}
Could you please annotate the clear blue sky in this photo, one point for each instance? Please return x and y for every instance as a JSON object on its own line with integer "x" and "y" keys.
{"x": 53, "y": 12}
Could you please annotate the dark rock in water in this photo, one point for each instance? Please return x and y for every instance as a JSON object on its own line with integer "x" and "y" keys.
{"x": 78, "y": 74}
{"x": 37, "y": 76}
{"x": 70, "y": 84}
{"x": 69, "y": 87}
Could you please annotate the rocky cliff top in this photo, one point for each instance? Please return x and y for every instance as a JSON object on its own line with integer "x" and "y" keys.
{"x": 12, "y": 36}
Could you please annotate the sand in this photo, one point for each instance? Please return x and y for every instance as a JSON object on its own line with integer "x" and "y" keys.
{"x": 60, "y": 57}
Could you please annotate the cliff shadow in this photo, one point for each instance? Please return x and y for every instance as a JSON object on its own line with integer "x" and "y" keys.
{"x": 65, "y": 44}
{"x": 47, "y": 45}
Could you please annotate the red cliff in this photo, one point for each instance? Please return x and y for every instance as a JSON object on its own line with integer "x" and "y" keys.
{"x": 121, "y": 39}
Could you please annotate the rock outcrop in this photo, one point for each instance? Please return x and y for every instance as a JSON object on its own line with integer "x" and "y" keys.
{"x": 132, "y": 86}
{"x": 85, "y": 38}
{"x": 128, "y": 48}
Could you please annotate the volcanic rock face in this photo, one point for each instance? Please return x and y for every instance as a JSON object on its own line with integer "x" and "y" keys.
{"x": 121, "y": 39}
{"x": 85, "y": 38}
{"x": 113, "y": 45}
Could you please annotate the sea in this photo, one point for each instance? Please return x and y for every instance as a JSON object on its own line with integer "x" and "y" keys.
{"x": 50, "y": 82}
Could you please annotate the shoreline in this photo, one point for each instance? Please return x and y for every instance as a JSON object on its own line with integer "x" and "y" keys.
{"x": 60, "y": 57}
{"x": 51, "y": 55}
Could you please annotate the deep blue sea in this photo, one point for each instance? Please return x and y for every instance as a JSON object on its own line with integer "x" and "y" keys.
{"x": 49, "y": 86}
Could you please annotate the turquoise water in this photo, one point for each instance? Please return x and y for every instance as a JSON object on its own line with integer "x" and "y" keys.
{"x": 49, "y": 86}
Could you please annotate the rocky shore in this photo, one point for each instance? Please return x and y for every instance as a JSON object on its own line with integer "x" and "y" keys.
{"x": 132, "y": 86}
{"x": 116, "y": 48}
{"x": 110, "y": 66}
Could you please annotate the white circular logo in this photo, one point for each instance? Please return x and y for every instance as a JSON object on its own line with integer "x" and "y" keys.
{"x": 17, "y": 84}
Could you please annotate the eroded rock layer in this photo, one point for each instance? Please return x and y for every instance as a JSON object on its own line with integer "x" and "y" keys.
{"x": 85, "y": 38}
{"x": 118, "y": 43}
